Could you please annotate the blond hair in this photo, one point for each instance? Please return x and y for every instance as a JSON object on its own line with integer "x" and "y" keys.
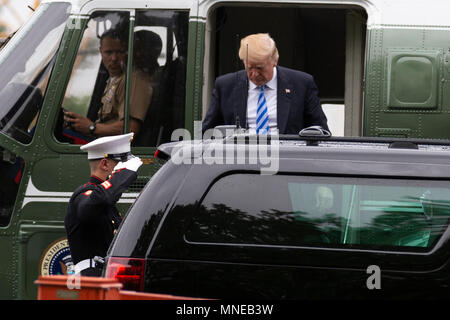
{"x": 258, "y": 47}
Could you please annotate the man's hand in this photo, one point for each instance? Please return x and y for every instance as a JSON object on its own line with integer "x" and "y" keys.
{"x": 81, "y": 124}
{"x": 77, "y": 122}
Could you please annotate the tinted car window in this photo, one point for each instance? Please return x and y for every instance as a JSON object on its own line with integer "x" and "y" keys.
{"x": 327, "y": 211}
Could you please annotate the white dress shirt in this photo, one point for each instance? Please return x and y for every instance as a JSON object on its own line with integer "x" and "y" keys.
{"x": 270, "y": 93}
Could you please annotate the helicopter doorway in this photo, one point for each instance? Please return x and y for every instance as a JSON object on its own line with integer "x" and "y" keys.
{"x": 327, "y": 42}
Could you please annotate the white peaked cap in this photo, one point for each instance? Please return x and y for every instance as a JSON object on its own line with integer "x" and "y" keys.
{"x": 102, "y": 147}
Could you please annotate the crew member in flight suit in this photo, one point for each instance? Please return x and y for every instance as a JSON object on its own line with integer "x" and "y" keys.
{"x": 92, "y": 218}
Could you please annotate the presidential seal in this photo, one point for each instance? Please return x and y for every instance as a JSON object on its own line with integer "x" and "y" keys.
{"x": 56, "y": 259}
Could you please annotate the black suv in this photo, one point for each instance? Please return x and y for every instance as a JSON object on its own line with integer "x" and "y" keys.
{"x": 333, "y": 218}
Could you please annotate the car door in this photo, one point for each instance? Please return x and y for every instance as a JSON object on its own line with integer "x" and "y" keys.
{"x": 303, "y": 236}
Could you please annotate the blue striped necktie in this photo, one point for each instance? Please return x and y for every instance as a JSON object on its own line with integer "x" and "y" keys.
{"x": 262, "y": 113}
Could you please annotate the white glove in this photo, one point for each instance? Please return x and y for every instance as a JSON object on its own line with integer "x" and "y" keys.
{"x": 133, "y": 164}
{"x": 119, "y": 166}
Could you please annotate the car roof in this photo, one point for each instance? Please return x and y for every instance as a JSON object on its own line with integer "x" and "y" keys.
{"x": 394, "y": 157}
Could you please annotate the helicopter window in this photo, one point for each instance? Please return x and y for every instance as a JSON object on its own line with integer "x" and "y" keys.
{"x": 103, "y": 46}
{"x": 157, "y": 78}
{"x": 160, "y": 50}
{"x": 27, "y": 61}
{"x": 326, "y": 41}
{"x": 11, "y": 167}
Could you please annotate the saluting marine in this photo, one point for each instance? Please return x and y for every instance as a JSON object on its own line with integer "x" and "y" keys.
{"x": 92, "y": 218}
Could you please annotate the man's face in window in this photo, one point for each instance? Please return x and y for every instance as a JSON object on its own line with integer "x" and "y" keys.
{"x": 113, "y": 53}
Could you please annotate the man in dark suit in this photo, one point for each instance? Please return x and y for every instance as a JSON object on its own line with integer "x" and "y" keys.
{"x": 290, "y": 95}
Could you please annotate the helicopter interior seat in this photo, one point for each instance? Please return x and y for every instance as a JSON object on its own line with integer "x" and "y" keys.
{"x": 146, "y": 135}
{"x": 148, "y": 46}
{"x": 99, "y": 88}
{"x": 175, "y": 114}
{"x": 166, "y": 110}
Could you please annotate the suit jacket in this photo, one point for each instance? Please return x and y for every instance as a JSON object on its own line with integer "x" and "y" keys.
{"x": 298, "y": 105}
